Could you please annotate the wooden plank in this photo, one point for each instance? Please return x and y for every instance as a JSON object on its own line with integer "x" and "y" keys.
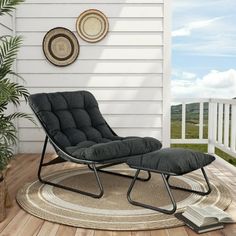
{"x": 93, "y": 1}
{"x": 34, "y": 134}
{"x": 5, "y": 31}
{"x": 141, "y": 233}
{"x": 100, "y": 53}
{"x": 121, "y": 107}
{"x": 48, "y": 229}
{"x": 115, "y": 24}
{"x": 183, "y": 126}
{"x": 110, "y": 94}
{"x": 102, "y": 233}
{"x": 15, "y": 226}
{"x": 92, "y": 81}
{"x": 216, "y": 233}
{"x": 84, "y": 232}
{"x": 65, "y": 230}
{"x": 112, "y": 39}
{"x": 201, "y": 120}
{"x": 226, "y": 125}
{"x": 233, "y": 129}
{"x": 220, "y": 123}
{"x": 180, "y": 231}
{"x": 66, "y": 10}
{"x": 6, "y": 20}
{"x": 31, "y": 227}
{"x": 92, "y": 67}
{"x": 121, "y": 233}
{"x": 123, "y": 121}
{"x": 160, "y": 232}
{"x": 192, "y": 233}
{"x": 11, "y": 213}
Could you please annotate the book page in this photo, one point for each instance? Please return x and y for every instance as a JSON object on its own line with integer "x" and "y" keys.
{"x": 199, "y": 216}
{"x": 220, "y": 214}
{"x": 196, "y": 210}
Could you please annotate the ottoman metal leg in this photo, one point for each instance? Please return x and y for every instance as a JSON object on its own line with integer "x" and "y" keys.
{"x": 190, "y": 190}
{"x": 150, "y": 206}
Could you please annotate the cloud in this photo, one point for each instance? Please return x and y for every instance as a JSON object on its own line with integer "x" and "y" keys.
{"x": 184, "y": 75}
{"x": 216, "y": 84}
{"x": 188, "y": 28}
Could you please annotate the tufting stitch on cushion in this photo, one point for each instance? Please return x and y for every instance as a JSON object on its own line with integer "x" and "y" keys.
{"x": 74, "y": 122}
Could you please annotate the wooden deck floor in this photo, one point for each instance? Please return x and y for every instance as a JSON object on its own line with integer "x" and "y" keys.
{"x": 18, "y": 222}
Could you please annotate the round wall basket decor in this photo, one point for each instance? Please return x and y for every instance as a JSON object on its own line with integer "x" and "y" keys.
{"x": 60, "y": 46}
{"x": 92, "y": 25}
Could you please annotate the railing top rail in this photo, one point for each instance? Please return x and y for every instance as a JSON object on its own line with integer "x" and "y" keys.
{"x": 224, "y": 101}
{"x": 198, "y": 100}
{"x": 189, "y": 100}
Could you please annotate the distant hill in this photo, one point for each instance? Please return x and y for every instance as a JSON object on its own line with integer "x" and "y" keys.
{"x": 192, "y": 111}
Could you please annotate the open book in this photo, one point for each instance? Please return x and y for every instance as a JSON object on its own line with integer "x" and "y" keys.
{"x": 206, "y": 216}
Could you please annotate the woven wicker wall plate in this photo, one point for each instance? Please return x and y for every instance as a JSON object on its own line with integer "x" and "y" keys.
{"x": 60, "y": 46}
{"x": 92, "y": 25}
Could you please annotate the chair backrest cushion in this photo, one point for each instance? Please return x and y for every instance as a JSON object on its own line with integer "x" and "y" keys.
{"x": 71, "y": 117}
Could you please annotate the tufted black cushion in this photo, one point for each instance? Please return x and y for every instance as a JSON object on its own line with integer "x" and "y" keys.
{"x": 73, "y": 121}
{"x": 116, "y": 149}
{"x": 172, "y": 160}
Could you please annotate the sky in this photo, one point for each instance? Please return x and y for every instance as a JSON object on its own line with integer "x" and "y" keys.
{"x": 204, "y": 49}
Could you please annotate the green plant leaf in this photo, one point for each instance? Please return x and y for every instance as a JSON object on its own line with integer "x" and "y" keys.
{"x": 7, "y": 6}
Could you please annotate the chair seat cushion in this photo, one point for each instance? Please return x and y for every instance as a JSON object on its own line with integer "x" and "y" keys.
{"x": 110, "y": 149}
{"x": 176, "y": 161}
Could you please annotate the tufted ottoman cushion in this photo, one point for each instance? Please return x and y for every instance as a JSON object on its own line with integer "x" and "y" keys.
{"x": 175, "y": 161}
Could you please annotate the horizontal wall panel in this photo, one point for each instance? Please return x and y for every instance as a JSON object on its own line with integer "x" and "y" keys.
{"x": 6, "y": 20}
{"x": 115, "y": 24}
{"x": 99, "y": 53}
{"x": 34, "y": 147}
{"x": 94, "y": 67}
{"x": 156, "y": 133}
{"x": 5, "y": 30}
{"x": 38, "y": 135}
{"x": 93, "y": 1}
{"x": 120, "y": 107}
{"x": 117, "y": 94}
{"x": 88, "y": 80}
{"x": 69, "y": 10}
{"x": 112, "y": 39}
{"x": 117, "y": 121}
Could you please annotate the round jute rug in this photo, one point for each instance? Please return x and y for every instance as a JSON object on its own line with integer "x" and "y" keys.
{"x": 113, "y": 211}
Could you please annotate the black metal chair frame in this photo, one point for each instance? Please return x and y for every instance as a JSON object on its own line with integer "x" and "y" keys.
{"x": 166, "y": 177}
{"x": 94, "y": 166}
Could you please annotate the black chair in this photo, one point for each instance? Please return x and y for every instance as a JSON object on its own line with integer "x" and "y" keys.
{"x": 76, "y": 129}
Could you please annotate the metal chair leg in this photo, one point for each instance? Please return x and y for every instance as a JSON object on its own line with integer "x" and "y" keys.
{"x": 193, "y": 191}
{"x": 122, "y": 175}
{"x": 99, "y": 195}
{"x": 150, "y": 206}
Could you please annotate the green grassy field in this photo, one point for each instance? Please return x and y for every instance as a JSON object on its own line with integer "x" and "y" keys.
{"x": 192, "y": 131}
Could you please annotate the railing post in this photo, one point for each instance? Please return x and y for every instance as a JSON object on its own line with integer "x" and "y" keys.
{"x": 212, "y": 125}
{"x": 183, "y": 129}
{"x": 233, "y": 128}
{"x": 201, "y": 120}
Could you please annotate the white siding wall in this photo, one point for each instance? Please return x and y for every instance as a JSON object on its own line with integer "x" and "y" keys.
{"x": 6, "y": 25}
{"x": 124, "y": 71}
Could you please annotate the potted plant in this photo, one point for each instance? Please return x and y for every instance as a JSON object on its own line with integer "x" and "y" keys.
{"x": 10, "y": 93}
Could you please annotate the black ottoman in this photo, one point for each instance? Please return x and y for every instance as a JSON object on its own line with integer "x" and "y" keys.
{"x": 169, "y": 162}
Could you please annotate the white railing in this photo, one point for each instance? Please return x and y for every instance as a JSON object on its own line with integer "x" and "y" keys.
{"x": 221, "y": 124}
